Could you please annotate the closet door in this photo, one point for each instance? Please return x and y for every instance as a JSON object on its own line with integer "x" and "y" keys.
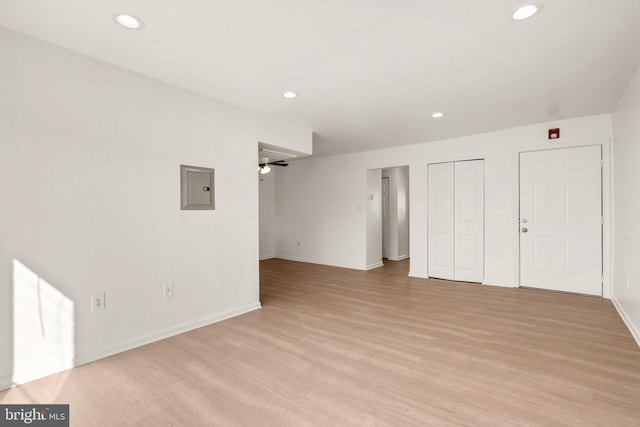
{"x": 469, "y": 221}
{"x": 456, "y": 220}
{"x": 440, "y": 220}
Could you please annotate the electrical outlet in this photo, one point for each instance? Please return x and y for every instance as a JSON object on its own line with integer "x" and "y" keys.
{"x": 98, "y": 301}
{"x": 168, "y": 290}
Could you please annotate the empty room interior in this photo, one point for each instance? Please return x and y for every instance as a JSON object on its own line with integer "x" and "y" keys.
{"x": 291, "y": 213}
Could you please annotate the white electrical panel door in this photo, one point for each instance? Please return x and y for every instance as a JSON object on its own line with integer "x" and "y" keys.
{"x": 469, "y": 221}
{"x": 456, "y": 220}
{"x": 561, "y": 220}
{"x": 440, "y": 220}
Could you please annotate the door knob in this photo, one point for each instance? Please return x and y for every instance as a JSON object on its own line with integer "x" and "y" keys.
{"x": 524, "y": 229}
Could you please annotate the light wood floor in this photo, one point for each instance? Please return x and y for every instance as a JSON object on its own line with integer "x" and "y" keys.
{"x": 343, "y": 347}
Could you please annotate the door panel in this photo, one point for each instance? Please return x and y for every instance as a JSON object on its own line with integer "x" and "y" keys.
{"x": 440, "y": 220}
{"x": 560, "y": 220}
{"x": 469, "y": 221}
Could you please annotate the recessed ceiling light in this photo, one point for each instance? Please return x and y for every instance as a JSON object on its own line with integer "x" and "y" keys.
{"x": 289, "y": 94}
{"x": 437, "y": 115}
{"x": 129, "y": 21}
{"x": 526, "y": 11}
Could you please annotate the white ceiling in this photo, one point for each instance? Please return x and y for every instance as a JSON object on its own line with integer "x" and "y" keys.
{"x": 369, "y": 73}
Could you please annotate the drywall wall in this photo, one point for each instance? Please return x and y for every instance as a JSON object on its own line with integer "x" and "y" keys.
{"x": 626, "y": 153}
{"x": 342, "y": 243}
{"x": 374, "y": 219}
{"x": 89, "y": 190}
{"x": 267, "y": 208}
{"x": 321, "y": 211}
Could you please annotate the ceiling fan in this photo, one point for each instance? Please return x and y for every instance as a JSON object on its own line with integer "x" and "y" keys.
{"x": 265, "y": 168}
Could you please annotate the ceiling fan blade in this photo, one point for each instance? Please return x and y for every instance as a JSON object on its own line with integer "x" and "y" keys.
{"x": 279, "y": 163}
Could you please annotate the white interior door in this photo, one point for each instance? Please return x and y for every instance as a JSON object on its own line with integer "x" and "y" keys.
{"x": 561, "y": 220}
{"x": 469, "y": 221}
{"x": 385, "y": 217}
{"x": 440, "y": 220}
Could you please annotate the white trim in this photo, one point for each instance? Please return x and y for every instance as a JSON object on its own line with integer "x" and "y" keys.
{"x": 69, "y": 364}
{"x": 635, "y": 332}
{"x": 498, "y": 284}
{"x": 262, "y": 258}
{"x": 81, "y": 359}
{"x": 311, "y": 261}
{"x": 418, "y": 275}
{"x": 6, "y": 382}
{"x": 399, "y": 258}
{"x": 375, "y": 265}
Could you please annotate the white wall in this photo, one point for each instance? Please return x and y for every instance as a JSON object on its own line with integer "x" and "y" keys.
{"x": 374, "y": 219}
{"x": 267, "y": 208}
{"x": 341, "y": 241}
{"x": 626, "y": 132}
{"x": 89, "y": 186}
{"x": 321, "y": 211}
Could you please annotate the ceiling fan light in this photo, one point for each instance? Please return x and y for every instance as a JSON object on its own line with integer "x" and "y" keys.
{"x": 265, "y": 169}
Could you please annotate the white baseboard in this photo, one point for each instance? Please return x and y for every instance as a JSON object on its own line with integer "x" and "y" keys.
{"x": 6, "y": 382}
{"x": 399, "y": 258}
{"x": 81, "y": 359}
{"x": 418, "y": 275}
{"x": 501, "y": 285}
{"x": 262, "y": 258}
{"x": 312, "y": 261}
{"x": 374, "y": 265}
{"x": 635, "y": 332}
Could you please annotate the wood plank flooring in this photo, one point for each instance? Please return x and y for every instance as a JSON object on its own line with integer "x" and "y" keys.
{"x": 343, "y": 347}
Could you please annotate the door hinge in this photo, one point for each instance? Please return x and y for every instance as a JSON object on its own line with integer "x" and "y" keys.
{"x": 601, "y": 163}
{"x": 602, "y": 220}
{"x": 602, "y": 279}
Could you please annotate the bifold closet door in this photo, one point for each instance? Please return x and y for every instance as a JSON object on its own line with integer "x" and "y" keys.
{"x": 456, "y": 220}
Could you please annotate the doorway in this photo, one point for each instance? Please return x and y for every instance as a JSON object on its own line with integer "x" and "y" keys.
{"x": 561, "y": 219}
{"x": 385, "y": 217}
{"x": 395, "y": 213}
